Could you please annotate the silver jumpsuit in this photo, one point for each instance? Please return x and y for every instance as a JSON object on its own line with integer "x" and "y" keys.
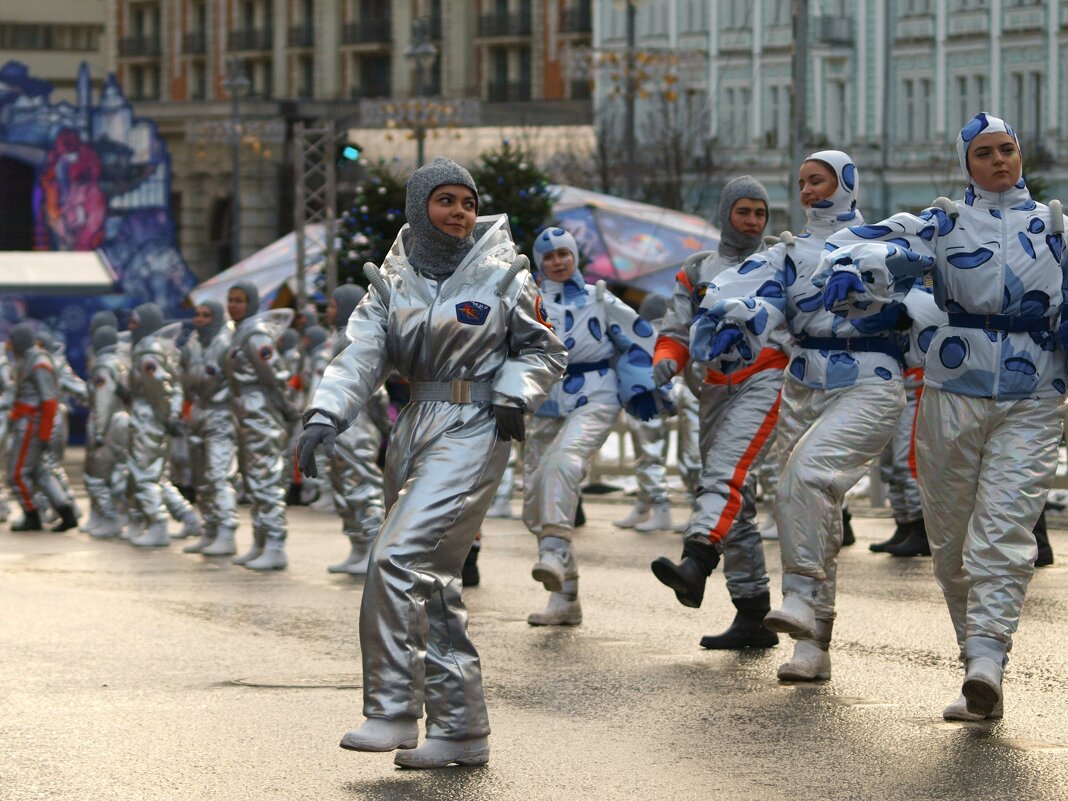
{"x": 7, "y": 400}
{"x": 463, "y": 347}
{"x": 108, "y": 384}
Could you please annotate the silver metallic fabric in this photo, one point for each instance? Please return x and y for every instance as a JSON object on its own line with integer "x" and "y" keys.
{"x": 688, "y": 425}
{"x": 212, "y": 436}
{"x": 556, "y": 455}
{"x": 34, "y": 394}
{"x": 985, "y": 467}
{"x": 108, "y": 378}
{"x": 650, "y": 441}
{"x": 826, "y": 440}
{"x": 442, "y": 467}
{"x": 897, "y": 463}
{"x": 258, "y": 381}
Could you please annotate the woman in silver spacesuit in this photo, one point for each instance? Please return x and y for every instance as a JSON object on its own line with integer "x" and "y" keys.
{"x": 840, "y": 401}
{"x": 454, "y": 313}
{"x": 108, "y": 430}
{"x": 259, "y": 398}
{"x": 992, "y": 412}
{"x": 610, "y": 365}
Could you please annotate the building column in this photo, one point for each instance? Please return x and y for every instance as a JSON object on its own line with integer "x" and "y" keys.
{"x": 995, "y": 59}
{"x": 941, "y": 79}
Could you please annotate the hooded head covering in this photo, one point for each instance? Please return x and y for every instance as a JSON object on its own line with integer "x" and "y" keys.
{"x": 49, "y": 341}
{"x": 103, "y": 318}
{"x": 653, "y": 307}
{"x": 22, "y": 338}
{"x": 985, "y": 123}
{"x": 346, "y": 297}
{"x": 316, "y": 336}
{"x": 253, "y": 296}
{"x": 732, "y": 241}
{"x": 840, "y": 209}
{"x": 149, "y": 320}
{"x": 206, "y": 333}
{"x": 433, "y": 252}
{"x": 104, "y": 336}
{"x": 553, "y": 239}
{"x": 290, "y": 339}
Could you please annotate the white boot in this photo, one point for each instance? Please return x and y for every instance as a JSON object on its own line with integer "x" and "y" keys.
{"x": 501, "y": 507}
{"x": 155, "y": 536}
{"x": 255, "y": 552}
{"x": 93, "y": 523}
{"x": 206, "y": 538}
{"x": 133, "y": 530}
{"x": 190, "y": 526}
{"x": 768, "y": 528}
{"x": 563, "y": 608}
{"x": 355, "y": 564}
{"x": 659, "y": 519}
{"x": 438, "y": 753}
{"x": 958, "y": 710}
{"x": 639, "y": 513}
{"x": 106, "y": 528}
{"x": 982, "y": 686}
{"x": 272, "y": 558}
{"x": 795, "y": 617}
{"x": 381, "y": 734}
{"x": 222, "y": 545}
{"x": 811, "y": 662}
{"x": 555, "y": 563}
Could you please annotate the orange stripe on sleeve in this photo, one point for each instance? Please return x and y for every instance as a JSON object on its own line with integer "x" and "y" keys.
{"x": 668, "y": 348}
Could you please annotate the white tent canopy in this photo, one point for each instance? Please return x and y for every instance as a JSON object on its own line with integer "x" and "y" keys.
{"x": 269, "y": 268}
{"x": 56, "y": 272}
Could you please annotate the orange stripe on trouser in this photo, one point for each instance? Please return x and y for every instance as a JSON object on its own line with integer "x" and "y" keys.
{"x": 741, "y": 470}
{"x": 912, "y": 440}
{"x": 20, "y": 464}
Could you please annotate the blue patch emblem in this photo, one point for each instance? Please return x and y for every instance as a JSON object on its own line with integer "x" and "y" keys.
{"x": 471, "y": 312}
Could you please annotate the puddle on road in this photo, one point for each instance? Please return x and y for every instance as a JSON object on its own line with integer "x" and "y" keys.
{"x": 298, "y": 683}
{"x": 852, "y": 700}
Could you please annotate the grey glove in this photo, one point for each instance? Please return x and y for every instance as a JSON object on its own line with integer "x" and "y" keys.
{"x": 664, "y": 370}
{"x": 510, "y": 423}
{"x": 314, "y": 435}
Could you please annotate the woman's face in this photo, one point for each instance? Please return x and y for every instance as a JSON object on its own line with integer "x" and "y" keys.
{"x": 453, "y": 208}
{"x": 815, "y": 182}
{"x": 994, "y": 162}
{"x": 236, "y": 304}
{"x": 558, "y": 265}
{"x": 331, "y": 312}
{"x": 202, "y": 317}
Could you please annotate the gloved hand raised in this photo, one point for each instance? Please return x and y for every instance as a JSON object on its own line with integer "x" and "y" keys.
{"x": 314, "y": 435}
{"x": 664, "y": 370}
{"x": 510, "y": 423}
{"x": 725, "y": 340}
{"x": 838, "y": 288}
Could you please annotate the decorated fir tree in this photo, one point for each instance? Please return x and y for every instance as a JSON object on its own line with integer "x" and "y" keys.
{"x": 367, "y": 229}
{"x": 509, "y": 182}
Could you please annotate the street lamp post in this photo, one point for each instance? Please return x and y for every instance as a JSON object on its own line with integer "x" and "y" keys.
{"x": 235, "y": 83}
{"x": 422, "y": 53}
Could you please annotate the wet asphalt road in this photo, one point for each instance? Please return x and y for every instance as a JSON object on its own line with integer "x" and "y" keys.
{"x": 127, "y": 674}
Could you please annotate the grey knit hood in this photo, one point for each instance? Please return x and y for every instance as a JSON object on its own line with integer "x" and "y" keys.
{"x": 103, "y": 318}
{"x": 253, "y": 296}
{"x": 149, "y": 321}
{"x": 22, "y": 338}
{"x": 732, "y": 241}
{"x": 206, "y": 333}
{"x": 346, "y": 297}
{"x": 431, "y": 251}
{"x": 104, "y": 336}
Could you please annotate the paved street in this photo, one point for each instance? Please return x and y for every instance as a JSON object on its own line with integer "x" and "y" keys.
{"x": 127, "y": 674}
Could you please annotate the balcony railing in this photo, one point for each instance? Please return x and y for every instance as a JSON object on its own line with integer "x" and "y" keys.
{"x": 370, "y": 90}
{"x": 300, "y": 36}
{"x": 577, "y": 19}
{"x": 145, "y": 46}
{"x": 504, "y": 25}
{"x": 368, "y": 31}
{"x": 194, "y": 43}
{"x": 249, "y": 39}
{"x": 507, "y": 92}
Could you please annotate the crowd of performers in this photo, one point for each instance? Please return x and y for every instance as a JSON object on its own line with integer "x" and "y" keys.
{"x": 929, "y": 343}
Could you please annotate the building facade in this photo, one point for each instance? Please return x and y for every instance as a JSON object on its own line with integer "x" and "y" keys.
{"x": 890, "y": 81}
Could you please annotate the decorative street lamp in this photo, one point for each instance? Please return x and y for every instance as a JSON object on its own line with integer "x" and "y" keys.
{"x": 236, "y": 83}
{"x": 422, "y": 52}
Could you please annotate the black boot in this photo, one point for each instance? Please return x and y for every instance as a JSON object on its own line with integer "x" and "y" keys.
{"x": 580, "y": 516}
{"x": 848, "y": 538}
{"x": 1045, "y": 550}
{"x": 747, "y": 630}
{"x": 31, "y": 521}
{"x": 901, "y": 533}
{"x": 915, "y": 544}
{"x": 67, "y": 519}
{"x": 687, "y": 579}
{"x": 293, "y": 495}
{"x": 469, "y": 573}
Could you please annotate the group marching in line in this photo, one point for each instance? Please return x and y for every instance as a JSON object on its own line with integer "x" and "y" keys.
{"x": 933, "y": 344}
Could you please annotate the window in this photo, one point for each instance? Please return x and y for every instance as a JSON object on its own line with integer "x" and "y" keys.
{"x": 777, "y": 121}
{"x": 781, "y": 12}
{"x": 837, "y": 112}
{"x": 906, "y": 131}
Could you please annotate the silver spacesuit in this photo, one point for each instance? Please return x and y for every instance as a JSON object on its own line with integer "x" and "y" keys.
{"x": 738, "y": 413}
{"x": 32, "y": 416}
{"x": 995, "y": 381}
{"x": 610, "y": 357}
{"x": 155, "y": 410}
{"x": 451, "y": 317}
{"x": 109, "y": 379}
{"x": 840, "y": 402}
{"x": 69, "y": 386}
{"x": 7, "y": 400}
{"x": 259, "y": 389}
{"x": 212, "y": 435}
